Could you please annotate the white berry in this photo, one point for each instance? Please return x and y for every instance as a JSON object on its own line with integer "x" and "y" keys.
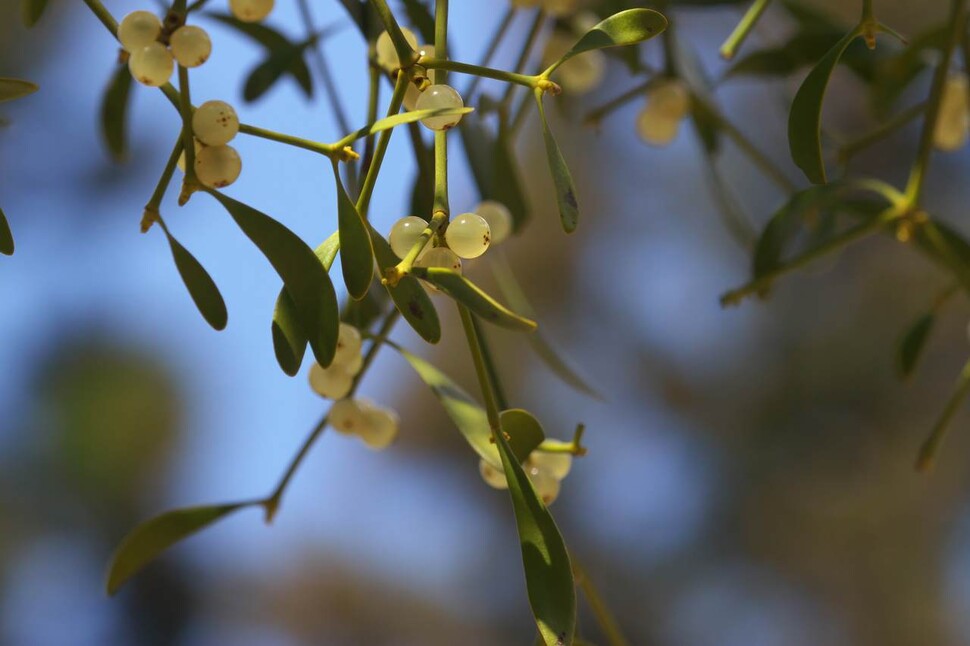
{"x": 656, "y": 129}
{"x": 181, "y": 161}
{"x": 251, "y": 10}
{"x": 555, "y": 464}
{"x": 546, "y": 486}
{"x": 217, "y": 166}
{"x": 440, "y": 96}
{"x": 494, "y": 477}
{"x": 215, "y": 123}
{"x": 151, "y": 65}
{"x": 411, "y": 96}
{"x": 138, "y": 29}
{"x": 190, "y": 45}
{"x": 499, "y": 219}
{"x": 952, "y": 123}
{"x": 332, "y": 382}
{"x": 380, "y": 426}
{"x": 346, "y": 416}
{"x": 439, "y": 257}
{"x": 387, "y": 54}
{"x": 348, "y": 347}
{"x": 405, "y": 233}
{"x": 468, "y": 235}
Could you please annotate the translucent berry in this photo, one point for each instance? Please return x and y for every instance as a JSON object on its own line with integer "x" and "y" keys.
{"x": 494, "y": 477}
{"x": 546, "y": 486}
{"x": 954, "y": 118}
{"x": 215, "y": 123}
{"x": 181, "y": 161}
{"x": 425, "y": 51}
{"x": 468, "y": 235}
{"x": 332, "y": 382}
{"x": 439, "y": 257}
{"x": 498, "y": 217}
{"x": 440, "y": 96}
{"x": 380, "y": 425}
{"x": 656, "y": 129}
{"x": 348, "y": 346}
{"x": 411, "y": 96}
{"x": 405, "y": 233}
{"x": 190, "y": 45}
{"x": 251, "y": 10}
{"x": 555, "y": 464}
{"x": 217, "y": 166}
{"x": 386, "y": 53}
{"x": 138, "y": 29}
{"x": 669, "y": 99}
{"x": 151, "y": 65}
{"x": 346, "y": 416}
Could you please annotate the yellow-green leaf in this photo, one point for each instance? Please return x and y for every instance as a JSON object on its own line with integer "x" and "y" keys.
{"x": 912, "y": 344}
{"x": 201, "y": 287}
{"x": 471, "y": 296}
{"x": 404, "y": 118}
{"x": 11, "y": 89}
{"x": 624, "y": 28}
{"x": 408, "y": 295}
{"x": 561, "y": 177}
{"x": 147, "y": 541}
{"x": 114, "y": 113}
{"x": 356, "y": 250}
{"x": 305, "y": 279}
{"x": 6, "y": 237}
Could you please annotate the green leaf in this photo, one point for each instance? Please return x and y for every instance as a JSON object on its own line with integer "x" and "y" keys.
{"x": 805, "y": 118}
{"x": 911, "y": 345}
{"x": 305, "y": 279}
{"x": 561, "y": 177}
{"x": 514, "y": 294}
{"x": 147, "y": 541}
{"x": 494, "y": 168}
{"x": 408, "y": 295}
{"x": 114, "y": 113}
{"x": 266, "y": 36}
{"x": 895, "y": 73}
{"x": 624, "y": 28}
{"x": 6, "y": 237}
{"x": 32, "y": 10}
{"x": 356, "y": 250}
{"x": 265, "y": 75}
{"x": 946, "y": 246}
{"x": 11, "y": 89}
{"x": 200, "y": 284}
{"x": 421, "y": 19}
{"x": 548, "y": 574}
{"x": 407, "y": 117}
{"x": 469, "y": 417}
{"x": 802, "y": 50}
{"x": 471, "y": 296}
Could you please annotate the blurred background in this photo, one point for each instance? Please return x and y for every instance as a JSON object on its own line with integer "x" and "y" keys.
{"x": 749, "y": 478}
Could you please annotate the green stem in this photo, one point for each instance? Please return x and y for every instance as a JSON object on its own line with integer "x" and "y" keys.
{"x": 604, "y": 618}
{"x": 881, "y": 131}
{"x": 370, "y": 180}
{"x": 440, "y": 203}
{"x": 155, "y": 202}
{"x": 477, "y": 70}
{"x": 740, "y": 33}
{"x": 104, "y": 16}
{"x": 188, "y": 138}
{"x": 573, "y": 447}
{"x": 478, "y": 358}
{"x": 289, "y": 140}
{"x": 405, "y": 54}
{"x": 490, "y": 368}
{"x": 440, "y": 75}
{"x": 393, "y": 275}
{"x": 373, "y": 96}
{"x": 927, "y": 453}
{"x": 500, "y": 32}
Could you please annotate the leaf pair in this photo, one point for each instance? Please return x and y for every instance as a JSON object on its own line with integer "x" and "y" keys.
{"x": 471, "y": 296}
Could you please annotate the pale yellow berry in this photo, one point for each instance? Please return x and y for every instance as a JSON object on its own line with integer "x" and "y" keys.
{"x": 411, "y": 96}
{"x": 555, "y": 464}
{"x": 499, "y": 219}
{"x": 217, "y": 166}
{"x": 495, "y": 478}
{"x": 215, "y": 123}
{"x": 380, "y": 425}
{"x": 656, "y": 129}
{"x": 670, "y": 99}
{"x": 405, "y": 233}
{"x": 440, "y": 96}
{"x": 348, "y": 346}
{"x": 546, "y": 486}
{"x": 181, "y": 161}
{"x": 151, "y": 65}
{"x": 385, "y": 52}
{"x": 439, "y": 257}
{"x": 332, "y": 382}
{"x": 952, "y": 123}
{"x": 346, "y": 416}
{"x": 139, "y": 29}
{"x": 355, "y": 364}
{"x": 190, "y": 46}
{"x": 468, "y": 235}
{"x": 251, "y": 10}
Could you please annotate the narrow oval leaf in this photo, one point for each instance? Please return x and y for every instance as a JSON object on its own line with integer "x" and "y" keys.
{"x": 11, "y": 89}
{"x": 408, "y": 295}
{"x": 147, "y": 541}
{"x": 200, "y": 285}
{"x": 548, "y": 574}
{"x": 911, "y": 345}
{"x": 6, "y": 237}
{"x": 404, "y": 118}
{"x": 805, "y": 118}
{"x": 114, "y": 113}
{"x": 266, "y": 36}
{"x": 304, "y": 277}
{"x": 471, "y": 296}
{"x": 356, "y": 250}
{"x": 32, "y": 10}
{"x": 561, "y": 177}
{"x": 624, "y": 28}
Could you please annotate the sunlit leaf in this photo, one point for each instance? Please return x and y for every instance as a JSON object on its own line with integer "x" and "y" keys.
{"x": 494, "y": 168}
{"x": 911, "y": 346}
{"x": 548, "y": 574}
{"x": 11, "y": 89}
{"x": 409, "y": 297}
{"x": 201, "y": 287}
{"x": 805, "y": 118}
{"x": 471, "y": 296}
{"x": 147, "y": 541}
{"x": 305, "y": 279}
{"x": 356, "y": 251}
{"x": 6, "y": 237}
{"x": 407, "y": 117}
{"x": 561, "y": 177}
{"x": 114, "y": 113}
{"x": 624, "y": 28}
{"x": 32, "y": 10}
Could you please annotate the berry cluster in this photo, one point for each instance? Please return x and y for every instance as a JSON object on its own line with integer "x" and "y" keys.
{"x": 153, "y": 48}
{"x": 336, "y": 380}
{"x": 668, "y": 103}
{"x": 953, "y": 123}
{"x": 545, "y": 470}
{"x": 215, "y": 124}
{"x": 375, "y": 425}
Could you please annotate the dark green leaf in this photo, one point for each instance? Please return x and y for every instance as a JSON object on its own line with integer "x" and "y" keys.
{"x": 911, "y": 345}
{"x": 801, "y": 50}
{"x": 421, "y": 19}
{"x": 6, "y": 237}
{"x": 946, "y": 246}
{"x": 356, "y": 251}
{"x": 805, "y": 118}
{"x": 494, "y": 168}
{"x": 11, "y": 89}
{"x": 305, "y": 279}
{"x": 561, "y": 177}
{"x": 114, "y": 113}
{"x": 408, "y": 295}
{"x": 266, "y": 36}
{"x": 548, "y": 574}
{"x": 147, "y": 541}
{"x": 265, "y": 75}
{"x": 471, "y": 296}
{"x": 624, "y": 28}
{"x": 32, "y": 10}
{"x": 895, "y": 73}
{"x": 200, "y": 285}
